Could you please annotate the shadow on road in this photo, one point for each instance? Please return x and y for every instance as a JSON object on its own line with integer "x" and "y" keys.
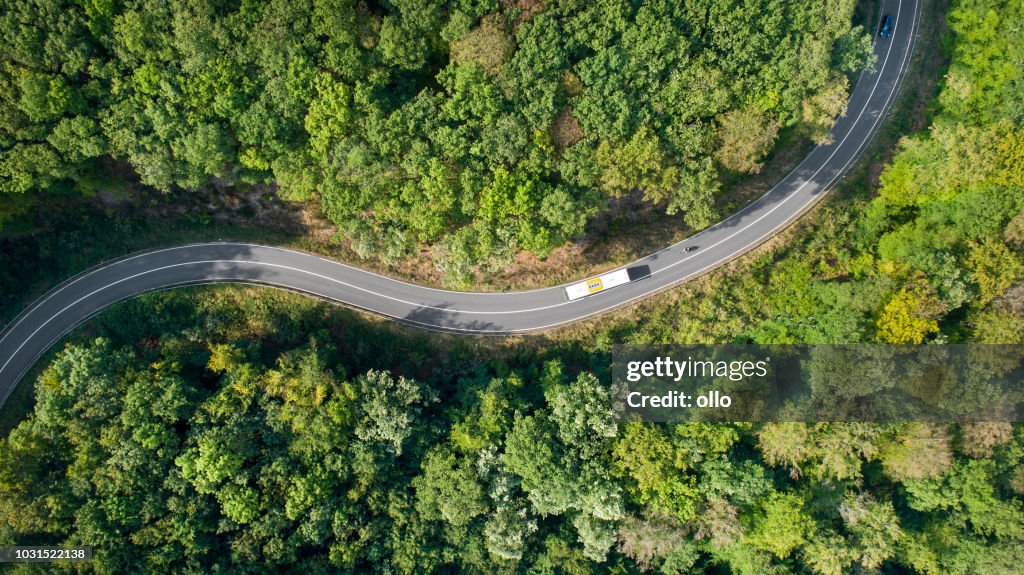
{"x": 443, "y": 317}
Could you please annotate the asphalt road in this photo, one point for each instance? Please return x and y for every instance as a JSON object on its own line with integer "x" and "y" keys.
{"x": 33, "y": 332}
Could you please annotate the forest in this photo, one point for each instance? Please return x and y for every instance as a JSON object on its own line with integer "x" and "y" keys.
{"x": 230, "y": 430}
{"x": 934, "y": 253}
{"x": 248, "y": 431}
{"x": 481, "y": 128}
{"x": 225, "y": 430}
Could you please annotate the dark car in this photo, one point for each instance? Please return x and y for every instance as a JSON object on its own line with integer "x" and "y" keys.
{"x": 886, "y": 30}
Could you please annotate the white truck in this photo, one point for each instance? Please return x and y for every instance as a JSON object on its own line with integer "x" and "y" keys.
{"x": 598, "y": 284}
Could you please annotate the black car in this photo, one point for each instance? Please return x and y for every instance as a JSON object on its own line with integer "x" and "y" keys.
{"x": 886, "y": 30}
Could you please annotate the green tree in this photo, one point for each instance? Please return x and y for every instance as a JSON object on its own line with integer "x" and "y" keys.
{"x": 910, "y": 316}
{"x": 782, "y": 527}
{"x": 448, "y": 489}
{"x": 745, "y": 137}
{"x": 488, "y": 45}
{"x": 388, "y": 409}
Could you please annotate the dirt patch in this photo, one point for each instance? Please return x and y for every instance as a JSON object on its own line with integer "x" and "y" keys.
{"x": 255, "y": 205}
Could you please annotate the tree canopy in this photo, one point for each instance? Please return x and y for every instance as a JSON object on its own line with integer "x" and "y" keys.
{"x": 232, "y": 437}
{"x": 417, "y": 121}
{"x": 931, "y": 254}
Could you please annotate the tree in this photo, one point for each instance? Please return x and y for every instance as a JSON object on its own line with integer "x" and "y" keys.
{"x": 388, "y": 409}
{"x": 1014, "y": 232}
{"x": 509, "y": 196}
{"x": 994, "y": 268}
{"x": 821, "y": 111}
{"x": 980, "y": 439}
{"x": 919, "y": 451}
{"x": 782, "y": 527}
{"x": 488, "y": 45}
{"x": 330, "y": 116}
{"x": 403, "y": 115}
{"x": 659, "y": 482}
{"x": 636, "y": 164}
{"x": 597, "y": 536}
{"x": 78, "y": 139}
{"x": 448, "y": 489}
{"x": 272, "y": 458}
{"x": 874, "y": 526}
{"x": 745, "y": 137}
{"x": 532, "y": 454}
{"x": 828, "y": 554}
{"x": 854, "y": 51}
{"x": 653, "y": 539}
{"x": 508, "y": 528}
{"x": 784, "y": 444}
{"x": 27, "y": 167}
{"x": 910, "y": 316}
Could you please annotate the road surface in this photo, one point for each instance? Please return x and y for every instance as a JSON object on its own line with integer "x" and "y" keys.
{"x": 33, "y": 332}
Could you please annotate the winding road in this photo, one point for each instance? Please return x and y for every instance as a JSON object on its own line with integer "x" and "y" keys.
{"x": 34, "y": 331}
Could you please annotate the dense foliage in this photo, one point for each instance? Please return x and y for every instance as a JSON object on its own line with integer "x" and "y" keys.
{"x": 937, "y": 254}
{"x": 235, "y": 442}
{"x": 484, "y": 128}
{"x": 224, "y": 430}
